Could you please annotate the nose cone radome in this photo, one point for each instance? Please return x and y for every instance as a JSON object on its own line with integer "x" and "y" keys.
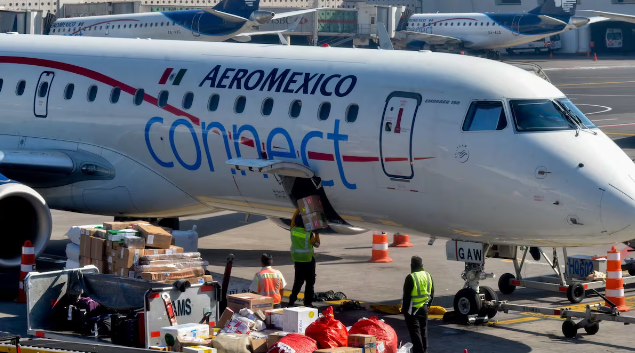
{"x": 618, "y": 206}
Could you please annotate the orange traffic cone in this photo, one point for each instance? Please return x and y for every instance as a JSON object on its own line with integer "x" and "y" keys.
{"x": 614, "y": 283}
{"x": 28, "y": 265}
{"x": 588, "y": 54}
{"x": 462, "y": 52}
{"x": 595, "y": 57}
{"x": 550, "y": 54}
{"x": 380, "y": 248}
{"x": 401, "y": 241}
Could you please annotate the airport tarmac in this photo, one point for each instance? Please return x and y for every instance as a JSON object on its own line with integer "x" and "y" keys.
{"x": 604, "y": 90}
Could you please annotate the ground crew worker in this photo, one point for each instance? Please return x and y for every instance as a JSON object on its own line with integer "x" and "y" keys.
{"x": 302, "y": 244}
{"x": 418, "y": 293}
{"x": 269, "y": 281}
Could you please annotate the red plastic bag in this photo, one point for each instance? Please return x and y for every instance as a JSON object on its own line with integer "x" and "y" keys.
{"x": 294, "y": 343}
{"x": 386, "y": 336}
{"x": 327, "y": 331}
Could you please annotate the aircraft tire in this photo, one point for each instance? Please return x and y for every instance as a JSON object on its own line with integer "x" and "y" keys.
{"x": 490, "y": 295}
{"x": 467, "y": 302}
{"x": 593, "y": 328}
{"x": 569, "y": 330}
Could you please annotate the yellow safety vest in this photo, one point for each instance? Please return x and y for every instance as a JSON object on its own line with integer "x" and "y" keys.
{"x": 421, "y": 291}
{"x": 301, "y": 247}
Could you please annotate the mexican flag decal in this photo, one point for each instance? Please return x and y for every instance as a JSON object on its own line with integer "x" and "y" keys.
{"x": 176, "y": 78}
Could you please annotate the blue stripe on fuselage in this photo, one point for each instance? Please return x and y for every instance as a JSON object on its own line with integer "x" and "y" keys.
{"x": 529, "y": 24}
{"x": 208, "y": 24}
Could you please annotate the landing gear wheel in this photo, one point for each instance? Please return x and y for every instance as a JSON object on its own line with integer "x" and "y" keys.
{"x": 467, "y": 302}
{"x": 576, "y": 293}
{"x": 593, "y": 328}
{"x": 172, "y": 223}
{"x": 503, "y": 283}
{"x": 490, "y": 295}
{"x": 569, "y": 329}
{"x": 631, "y": 272}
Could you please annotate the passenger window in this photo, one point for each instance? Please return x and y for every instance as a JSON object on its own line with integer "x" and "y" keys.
{"x": 163, "y": 99}
{"x": 19, "y": 90}
{"x": 267, "y": 106}
{"x": 188, "y": 99}
{"x": 68, "y": 91}
{"x": 115, "y": 93}
{"x": 138, "y": 96}
{"x": 1, "y": 83}
{"x": 295, "y": 109}
{"x": 484, "y": 116}
{"x": 44, "y": 89}
{"x": 239, "y": 105}
{"x": 351, "y": 113}
{"x": 212, "y": 103}
{"x": 92, "y": 93}
{"x": 324, "y": 111}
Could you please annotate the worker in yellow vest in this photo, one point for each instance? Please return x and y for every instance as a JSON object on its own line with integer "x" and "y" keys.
{"x": 418, "y": 293}
{"x": 302, "y": 244}
{"x": 269, "y": 281}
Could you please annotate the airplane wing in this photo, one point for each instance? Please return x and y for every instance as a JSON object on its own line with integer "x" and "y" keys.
{"x": 226, "y": 16}
{"x": 431, "y": 39}
{"x": 295, "y": 13}
{"x": 247, "y": 35}
{"x": 384, "y": 39}
{"x": 609, "y": 16}
{"x": 552, "y": 21}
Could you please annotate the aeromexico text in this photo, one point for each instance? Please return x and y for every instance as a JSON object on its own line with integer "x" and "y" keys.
{"x": 279, "y": 80}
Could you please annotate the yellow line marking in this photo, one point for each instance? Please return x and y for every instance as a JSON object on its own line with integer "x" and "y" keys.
{"x": 515, "y": 321}
{"x": 469, "y": 234}
{"x": 619, "y": 133}
{"x": 594, "y": 83}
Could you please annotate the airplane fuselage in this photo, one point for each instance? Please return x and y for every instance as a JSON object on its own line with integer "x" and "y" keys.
{"x": 382, "y": 129}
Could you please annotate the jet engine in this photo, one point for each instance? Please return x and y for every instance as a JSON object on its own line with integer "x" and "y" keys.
{"x": 24, "y": 215}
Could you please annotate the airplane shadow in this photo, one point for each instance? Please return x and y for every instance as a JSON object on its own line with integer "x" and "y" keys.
{"x": 627, "y": 142}
{"x": 209, "y": 225}
{"x": 251, "y": 258}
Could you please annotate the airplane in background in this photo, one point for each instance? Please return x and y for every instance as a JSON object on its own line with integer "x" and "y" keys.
{"x": 230, "y": 19}
{"x": 476, "y": 151}
{"x": 483, "y": 33}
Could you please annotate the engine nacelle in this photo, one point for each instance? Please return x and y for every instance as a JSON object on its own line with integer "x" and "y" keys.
{"x": 24, "y": 215}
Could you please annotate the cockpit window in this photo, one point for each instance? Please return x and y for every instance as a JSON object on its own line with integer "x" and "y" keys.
{"x": 539, "y": 115}
{"x": 484, "y": 116}
{"x": 573, "y": 109}
{"x": 548, "y": 115}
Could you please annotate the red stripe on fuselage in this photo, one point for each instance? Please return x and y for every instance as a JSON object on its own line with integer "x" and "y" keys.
{"x": 100, "y": 23}
{"x": 93, "y": 75}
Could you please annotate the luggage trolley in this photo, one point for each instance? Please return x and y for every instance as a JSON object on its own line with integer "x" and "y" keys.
{"x": 563, "y": 282}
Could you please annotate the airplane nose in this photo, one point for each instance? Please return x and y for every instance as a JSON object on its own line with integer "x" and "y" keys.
{"x": 579, "y": 21}
{"x": 618, "y": 205}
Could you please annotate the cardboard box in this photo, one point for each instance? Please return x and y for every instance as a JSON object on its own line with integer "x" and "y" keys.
{"x": 249, "y": 301}
{"x": 113, "y": 245}
{"x": 159, "y": 348}
{"x": 227, "y": 315}
{"x": 199, "y": 349}
{"x": 274, "y": 337}
{"x": 111, "y": 268}
{"x": 368, "y": 343}
{"x": 310, "y": 204}
{"x": 129, "y": 257}
{"x": 83, "y": 261}
{"x": 313, "y": 221}
{"x": 184, "y": 330}
{"x": 134, "y": 242}
{"x": 100, "y": 233}
{"x": 100, "y": 264}
{"x": 154, "y": 251}
{"x": 124, "y": 272}
{"x": 97, "y": 248}
{"x": 84, "y": 245}
{"x": 120, "y": 225}
{"x": 339, "y": 350}
{"x": 174, "y": 250}
{"x": 120, "y": 235}
{"x": 259, "y": 345}
{"x": 162, "y": 276}
{"x": 110, "y": 257}
{"x": 274, "y": 318}
{"x": 155, "y": 237}
{"x": 195, "y": 280}
{"x": 298, "y": 319}
{"x": 89, "y": 231}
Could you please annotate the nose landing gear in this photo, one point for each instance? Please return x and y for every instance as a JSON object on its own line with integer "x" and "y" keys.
{"x": 473, "y": 303}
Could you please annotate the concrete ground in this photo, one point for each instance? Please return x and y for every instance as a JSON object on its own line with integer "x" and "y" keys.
{"x": 602, "y": 89}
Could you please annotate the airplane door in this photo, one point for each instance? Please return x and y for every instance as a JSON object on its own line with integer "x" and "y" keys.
{"x": 396, "y": 134}
{"x": 516, "y": 25}
{"x": 42, "y": 90}
{"x": 107, "y": 29}
{"x": 195, "y": 24}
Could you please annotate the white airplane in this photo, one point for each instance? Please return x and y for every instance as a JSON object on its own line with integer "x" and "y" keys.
{"x": 230, "y": 19}
{"x": 456, "y": 147}
{"x": 485, "y": 32}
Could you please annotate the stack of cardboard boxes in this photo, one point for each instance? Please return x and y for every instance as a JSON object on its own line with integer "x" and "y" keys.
{"x": 312, "y": 213}
{"x": 134, "y": 249}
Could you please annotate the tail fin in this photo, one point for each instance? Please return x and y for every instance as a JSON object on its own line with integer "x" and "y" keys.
{"x": 556, "y": 8}
{"x": 237, "y": 6}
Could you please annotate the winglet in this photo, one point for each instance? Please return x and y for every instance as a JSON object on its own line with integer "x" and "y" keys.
{"x": 384, "y": 39}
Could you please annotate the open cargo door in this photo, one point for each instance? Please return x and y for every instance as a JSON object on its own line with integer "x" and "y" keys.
{"x": 289, "y": 181}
